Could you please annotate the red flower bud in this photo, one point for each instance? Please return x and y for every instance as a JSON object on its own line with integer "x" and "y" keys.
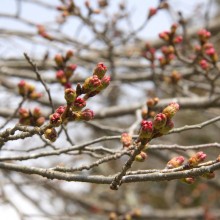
{"x": 204, "y": 64}
{"x": 178, "y": 40}
{"x": 126, "y": 140}
{"x": 146, "y": 129}
{"x": 60, "y": 74}
{"x": 91, "y": 84}
{"x": 100, "y": 70}
{"x": 79, "y": 103}
{"x": 87, "y": 115}
{"x": 61, "y": 109}
{"x": 159, "y": 120}
{"x": 55, "y": 120}
{"x": 175, "y": 162}
{"x": 152, "y": 12}
{"x": 104, "y": 83}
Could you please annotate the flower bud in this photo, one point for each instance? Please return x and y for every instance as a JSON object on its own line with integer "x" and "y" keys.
{"x": 159, "y": 120}
{"x": 23, "y": 113}
{"x": 189, "y": 180}
{"x": 69, "y": 54}
{"x": 178, "y": 40}
{"x": 165, "y": 35}
{"x": 36, "y": 112}
{"x": 126, "y": 140}
{"x": 79, "y": 103}
{"x": 171, "y": 109}
{"x": 141, "y": 157}
{"x": 70, "y": 95}
{"x": 22, "y": 88}
{"x": 146, "y": 130}
{"x": 35, "y": 95}
{"x": 100, "y": 70}
{"x": 60, "y": 110}
{"x": 152, "y": 12}
{"x": 40, "y": 121}
{"x": 196, "y": 159}
{"x": 59, "y": 59}
{"x": 104, "y": 83}
{"x": 175, "y": 162}
{"x": 50, "y": 134}
{"x": 87, "y": 115}
{"x": 91, "y": 84}
{"x": 55, "y": 119}
{"x": 204, "y": 64}
{"x": 167, "y": 127}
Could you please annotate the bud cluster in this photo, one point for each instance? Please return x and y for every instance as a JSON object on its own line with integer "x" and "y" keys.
{"x": 31, "y": 118}
{"x": 149, "y": 53}
{"x": 28, "y": 90}
{"x": 64, "y": 71}
{"x": 67, "y": 8}
{"x": 75, "y": 103}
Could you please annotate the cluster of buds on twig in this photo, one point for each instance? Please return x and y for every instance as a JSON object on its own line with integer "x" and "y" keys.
{"x": 64, "y": 70}
{"x": 149, "y": 112}
{"x": 27, "y": 90}
{"x": 205, "y": 50}
{"x": 170, "y": 36}
{"x": 43, "y": 33}
{"x": 193, "y": 161}
{"x": 168, "y": 55}
{"x": 74, "y": 110}
{"x": 31, "y": 118}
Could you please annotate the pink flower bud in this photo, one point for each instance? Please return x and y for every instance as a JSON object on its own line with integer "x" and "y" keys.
{"x": 91, "y": 84}
{"x": 60, "y": 74}
{"x": 35, "y": 95}
{"x": 40, "y": 121}
{"x": 100, "y": 70}
{"x": 36, "y": 112}
{"x": 210, "y": 51}
{"x": 171, "y": 110}
{"x": 141, "y": 157}
{"x": 55, "y": 119}
{"x": 126, "y": 140}
{"x": 146, "y": 130}
{"x": 165, "y": 35}
{"x": 87, "y": 115}
{"x": 51, "y": 134}
{"x": 79, "y": 103}
{"x": 175, "y": 162}
{"x": 159, "y": 120}
{"x": 204, "y": 64}
{"x": 152, "y": 12}
{"x": 70, "y": 95}
{"x": 23, "y": 113}
{"x": 174, "y": 28}
{"x": 196, "y": 159}
{"x": 61, "y": 109}
{"x": 178, "y": 40}
{"x": 104, "y": 83}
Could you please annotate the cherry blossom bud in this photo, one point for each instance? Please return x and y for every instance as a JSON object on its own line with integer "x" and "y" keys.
{"x": 171, "y": 109}
{"x": 175, "y": 162}
{"x": 55, "y": 119}
{"x": 165, "y": 35}
{"x": 100, "y": 70}
{"x": 204, "y": 64}
{"x": 36, "y": 112}
{"x": 69, "y": 54}
{"x": 146, "y": 130}
{"x": 126, "y": 140}
{"x": 23, "y": 113}
{"x": 167, "y": 127}
{"x": 79, "y": 103}
{"x": 35, "y": 95}
{"x": 87, "y": 115}
{"x": 50, "y": 134}
{"x": 197, "y": 158}
{"x": 105, "y": 81}
{"x": 22, "y": 88}
{"x": 189, "y": 180}
{"x": 152, "y": 12}
{"x": 174, "y": 28}
{"x": 59, "y": 59}
{"x": 141, "y": 157}
{"x": 60, "y": 75}
{"x": 91, "y": 84}
{"x": 70, "y": 95}
{"x": 178, "y": 40}
{"x": 159, "y": 120}
{"x": 40, "y": 121}
{"x": 61, "y": 109}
